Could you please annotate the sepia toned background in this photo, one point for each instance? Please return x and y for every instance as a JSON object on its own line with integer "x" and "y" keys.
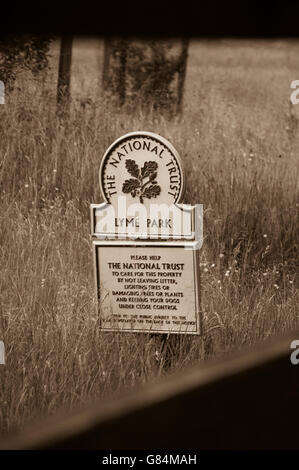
{"x": 237, "y": 134}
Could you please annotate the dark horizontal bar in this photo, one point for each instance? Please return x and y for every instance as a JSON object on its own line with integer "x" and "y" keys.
{"x": 195, "y": 18}
{"x": 246, "y": 401}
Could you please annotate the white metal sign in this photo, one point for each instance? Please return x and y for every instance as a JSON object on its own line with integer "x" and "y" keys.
{"x": 145, "y": 241}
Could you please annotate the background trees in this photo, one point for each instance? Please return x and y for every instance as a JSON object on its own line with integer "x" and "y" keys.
{"x": 149, "y": 73}
{"x": 26, "y": 52}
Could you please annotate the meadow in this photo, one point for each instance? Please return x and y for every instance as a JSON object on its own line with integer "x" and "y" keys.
{"x": 239, "y": 141}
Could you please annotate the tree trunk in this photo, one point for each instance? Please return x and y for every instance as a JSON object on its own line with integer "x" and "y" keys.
{"x": 64, "y": 72}
{"x": 122, "y": 72}
{"x": 106, "y": 64}
{"x": 182, "y": 73}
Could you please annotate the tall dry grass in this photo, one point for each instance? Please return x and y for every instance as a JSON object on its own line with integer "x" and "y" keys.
{"x": 239, "y": 141}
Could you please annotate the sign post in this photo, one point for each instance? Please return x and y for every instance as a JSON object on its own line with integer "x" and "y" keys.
{"x": 145, "y": 241}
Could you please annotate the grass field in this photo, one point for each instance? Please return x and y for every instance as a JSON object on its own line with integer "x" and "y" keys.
{"x": 239, "y": 141}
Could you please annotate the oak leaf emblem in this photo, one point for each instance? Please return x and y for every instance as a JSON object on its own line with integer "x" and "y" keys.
{"x": 143, "y": 184}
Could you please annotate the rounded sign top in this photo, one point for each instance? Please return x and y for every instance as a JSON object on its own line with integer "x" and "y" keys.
{"x": 144, "y": 167}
